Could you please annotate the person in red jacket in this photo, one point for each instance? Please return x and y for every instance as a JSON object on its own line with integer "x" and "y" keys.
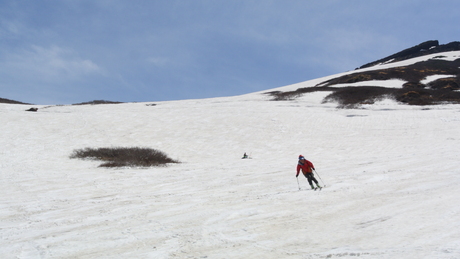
{"x": 307, "y": 168}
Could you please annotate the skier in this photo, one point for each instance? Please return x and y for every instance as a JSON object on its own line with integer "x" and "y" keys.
{"x": 245, "y": 156}
{"x": 307, "y": 167}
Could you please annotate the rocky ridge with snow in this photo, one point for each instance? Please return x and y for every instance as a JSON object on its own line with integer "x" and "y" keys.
{"x": 427, "y": 78}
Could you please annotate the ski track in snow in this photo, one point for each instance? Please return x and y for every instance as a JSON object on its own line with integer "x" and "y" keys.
{"x": 392, "y": 176}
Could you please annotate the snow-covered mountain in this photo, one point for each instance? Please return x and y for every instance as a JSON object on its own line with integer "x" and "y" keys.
{"x": 415, "y": 76}
{"x": 391, "y": 172}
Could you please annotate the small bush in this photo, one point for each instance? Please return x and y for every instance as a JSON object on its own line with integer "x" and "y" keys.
{"x": 124, "y": 156}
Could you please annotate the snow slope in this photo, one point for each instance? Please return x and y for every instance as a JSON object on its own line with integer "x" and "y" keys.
{"x": 392, "y": 175}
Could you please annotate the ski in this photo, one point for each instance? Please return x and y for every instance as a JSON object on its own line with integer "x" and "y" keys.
{"x": 312, "y": 189}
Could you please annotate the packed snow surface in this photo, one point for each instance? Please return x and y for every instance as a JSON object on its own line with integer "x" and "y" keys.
{"x": 392, "y": 176}
{"x": 432, "y": 78}
{"x": 392, "y": 83}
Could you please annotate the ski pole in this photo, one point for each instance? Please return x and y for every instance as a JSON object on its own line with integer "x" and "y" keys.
{"x": 319, "y": 177}
{"x": 298, "y": 184}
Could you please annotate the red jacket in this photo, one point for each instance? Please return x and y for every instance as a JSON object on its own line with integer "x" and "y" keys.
{"x": 305, "y": 165}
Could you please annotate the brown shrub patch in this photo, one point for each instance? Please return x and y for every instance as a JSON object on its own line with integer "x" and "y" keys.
{"x": 122, "y": 156}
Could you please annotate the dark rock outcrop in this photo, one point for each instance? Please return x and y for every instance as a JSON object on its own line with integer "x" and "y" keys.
{"x": 97, "y": 102}
{"x": 424, "y": 48}
{"x": 3, "y": 100}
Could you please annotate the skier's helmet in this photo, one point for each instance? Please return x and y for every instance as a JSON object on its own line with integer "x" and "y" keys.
{"x": 301, "y": 157}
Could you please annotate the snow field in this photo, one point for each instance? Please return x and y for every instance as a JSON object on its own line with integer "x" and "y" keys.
{"x": 391, "y": 173}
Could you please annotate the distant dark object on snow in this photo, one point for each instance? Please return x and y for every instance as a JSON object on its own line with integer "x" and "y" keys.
{"x": 32, "y": 110}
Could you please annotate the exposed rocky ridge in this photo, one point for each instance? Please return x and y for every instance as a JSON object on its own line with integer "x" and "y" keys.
{"x": 353, "y": 97}
{"x": 3, "y": 100}
{"x": 424, "y": 48}
{"x": 413, "y": 74}
{"x": 414, "y": 92}
{"x": 97, "y": 102}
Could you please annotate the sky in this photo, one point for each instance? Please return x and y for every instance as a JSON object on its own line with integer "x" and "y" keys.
{"x": 69, "y": 51}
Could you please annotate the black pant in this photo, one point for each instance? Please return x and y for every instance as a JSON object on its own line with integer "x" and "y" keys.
{"x": 311, "y": 178}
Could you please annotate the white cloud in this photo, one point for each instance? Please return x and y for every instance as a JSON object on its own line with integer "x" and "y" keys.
{"x": 48, "y": 64}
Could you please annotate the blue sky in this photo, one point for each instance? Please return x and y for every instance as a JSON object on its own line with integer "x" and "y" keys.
{"x": 70, "y": 51}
